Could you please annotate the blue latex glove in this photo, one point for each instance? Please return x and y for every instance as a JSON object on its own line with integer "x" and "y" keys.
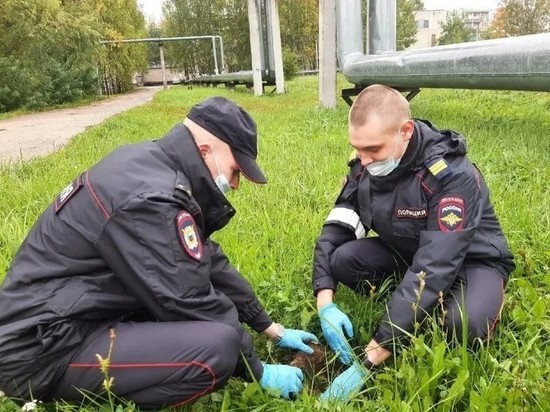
{"x": 346, "y": 384}
{"x": 334, "y": 324}
{"x": 283, "y": 378}
{"x": 297, "y": 339}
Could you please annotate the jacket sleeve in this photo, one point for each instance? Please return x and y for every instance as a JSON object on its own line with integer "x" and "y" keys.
{"x": 226, "y": 278}
{"x": 342, "y": 225}
{"x": 141, "y": 244}
{"x": 454, "y": 215}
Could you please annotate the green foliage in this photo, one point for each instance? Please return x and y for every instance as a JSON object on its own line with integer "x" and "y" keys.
{"x": 299, "y": 22}
{"x": 120, "y": 19}
{"x": 455, "y": 30}
{"x": 229, "y": 19}
{"x": 406, "y": 25}
{"x": 290, "y": 64}
{"x": 50, "y": 50}
{"x": 521, "y": 17}
{"x": 45, "y": 55}
{"x": 153, "y": 52}
{"x": 299, "y": 30}
{"x": 199, "y": 18}
{"x": 299, "y": 25}
{"x": 17, "y": 87}
{"x": 303, "y": 150}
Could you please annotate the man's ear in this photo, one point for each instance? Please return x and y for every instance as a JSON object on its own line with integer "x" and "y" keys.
{"x": 204, "y": 149}
{"x": 407, "y": 129}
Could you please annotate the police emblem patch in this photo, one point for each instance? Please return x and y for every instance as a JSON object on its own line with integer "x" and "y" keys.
{"x": 188, "y": 236}
{"x": 450, "y": 215}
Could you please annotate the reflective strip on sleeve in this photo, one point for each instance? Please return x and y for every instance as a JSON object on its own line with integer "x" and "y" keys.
{"x": 349, "y": 218}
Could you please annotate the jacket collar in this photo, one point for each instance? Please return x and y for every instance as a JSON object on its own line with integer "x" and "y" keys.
{"x": 427, "y": 143}
{"x": 436, "y": 144}
{"x": 180, "y": 147}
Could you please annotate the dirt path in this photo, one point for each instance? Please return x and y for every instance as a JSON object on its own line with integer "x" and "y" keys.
{"x": 38, "y": 134}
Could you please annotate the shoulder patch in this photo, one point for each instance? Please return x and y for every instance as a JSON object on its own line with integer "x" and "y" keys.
{"x": 188, "y": 235}
{"x": 439, "y": 168}
{"x": 68, "y": 192}
{"x": 450, "y": 214}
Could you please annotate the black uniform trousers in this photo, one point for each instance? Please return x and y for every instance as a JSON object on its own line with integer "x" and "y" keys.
{"x": 478, "y": 290}
{"x": 154, "y": 364}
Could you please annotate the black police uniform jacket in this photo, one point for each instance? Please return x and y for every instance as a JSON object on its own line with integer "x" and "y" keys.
{"x": 433, "y": 210}
{"x": 112, "y": 247}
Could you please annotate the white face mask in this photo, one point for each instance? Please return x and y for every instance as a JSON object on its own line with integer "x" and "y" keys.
{"x": 222, "y": 183}
{"x": 385, "y": 167}
{"x": 221, "y": 180}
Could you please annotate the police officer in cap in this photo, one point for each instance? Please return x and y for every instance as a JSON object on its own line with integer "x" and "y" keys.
{"x": 436, "y": 233}
{"x": 121, "y": 265}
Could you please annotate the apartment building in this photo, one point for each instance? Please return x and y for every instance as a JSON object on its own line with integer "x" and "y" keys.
{"x": 429, "y": 22}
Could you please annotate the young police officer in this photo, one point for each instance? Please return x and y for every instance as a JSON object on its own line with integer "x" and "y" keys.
{"x": 414, "y": 186}
{"x": 121, "y": 265}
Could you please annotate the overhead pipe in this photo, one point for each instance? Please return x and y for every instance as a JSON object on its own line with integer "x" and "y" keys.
{"x": 515, "y": 63}
{"x": 382, "y": 27}
{"x": 260, "y": 14}
{"x": 161, "y": 40}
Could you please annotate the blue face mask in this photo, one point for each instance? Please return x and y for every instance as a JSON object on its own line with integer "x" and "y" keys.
{"x": 220, "y": 180}
{"x": 385, "y": 167}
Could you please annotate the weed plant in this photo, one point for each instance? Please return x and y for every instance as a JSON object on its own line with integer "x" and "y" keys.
{"x": 303, "y": 150}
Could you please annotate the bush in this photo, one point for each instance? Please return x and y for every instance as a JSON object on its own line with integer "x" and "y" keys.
{"x": 51, "y": 53}
{"x": 69, "y": 84}
{"x": 31, "y": 87}
{"x": 18, "y": 85}
{"x": 290, "y": 64}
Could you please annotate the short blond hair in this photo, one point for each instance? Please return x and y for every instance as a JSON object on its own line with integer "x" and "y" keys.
{"x": 380, "y": 101}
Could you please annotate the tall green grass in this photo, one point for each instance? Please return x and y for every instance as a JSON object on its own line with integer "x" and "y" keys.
{"x": 303, "y": 150}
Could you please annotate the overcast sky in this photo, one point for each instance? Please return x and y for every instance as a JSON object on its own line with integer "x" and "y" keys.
{"x": 153, "y": 8}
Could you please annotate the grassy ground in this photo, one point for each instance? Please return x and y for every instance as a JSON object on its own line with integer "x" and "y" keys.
{"x": 303, "y": 150}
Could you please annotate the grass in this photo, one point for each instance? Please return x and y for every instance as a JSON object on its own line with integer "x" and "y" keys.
{"x": 303, "y": 150}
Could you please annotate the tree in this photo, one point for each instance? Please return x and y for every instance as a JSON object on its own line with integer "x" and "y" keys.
{"x": 299, "y": 30}
{"x": 119, "y": 20}
{"x": 406, "y": 24}
{"x": 455, "y": 31}
{"x": 46, "y": 54}
{"x": 197, "y": 18}
{"x": 521, "y": 17}
{"x": 153, "y": 52}
{"x": 50, "y": 50}
{"x": 229, "y": 18}
{"x": 236, "y": 36}
{"x": 496, "y": 29}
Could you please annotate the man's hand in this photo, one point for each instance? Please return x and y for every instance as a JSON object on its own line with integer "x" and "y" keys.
{"x": 346, "y": 384}
{"x": 287, "y": 380}
{"x": 334, "y": 324}
{"x": 297, "y": 339}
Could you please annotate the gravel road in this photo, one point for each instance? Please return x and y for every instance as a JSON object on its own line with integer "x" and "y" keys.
{"x": 38, "y": 134}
